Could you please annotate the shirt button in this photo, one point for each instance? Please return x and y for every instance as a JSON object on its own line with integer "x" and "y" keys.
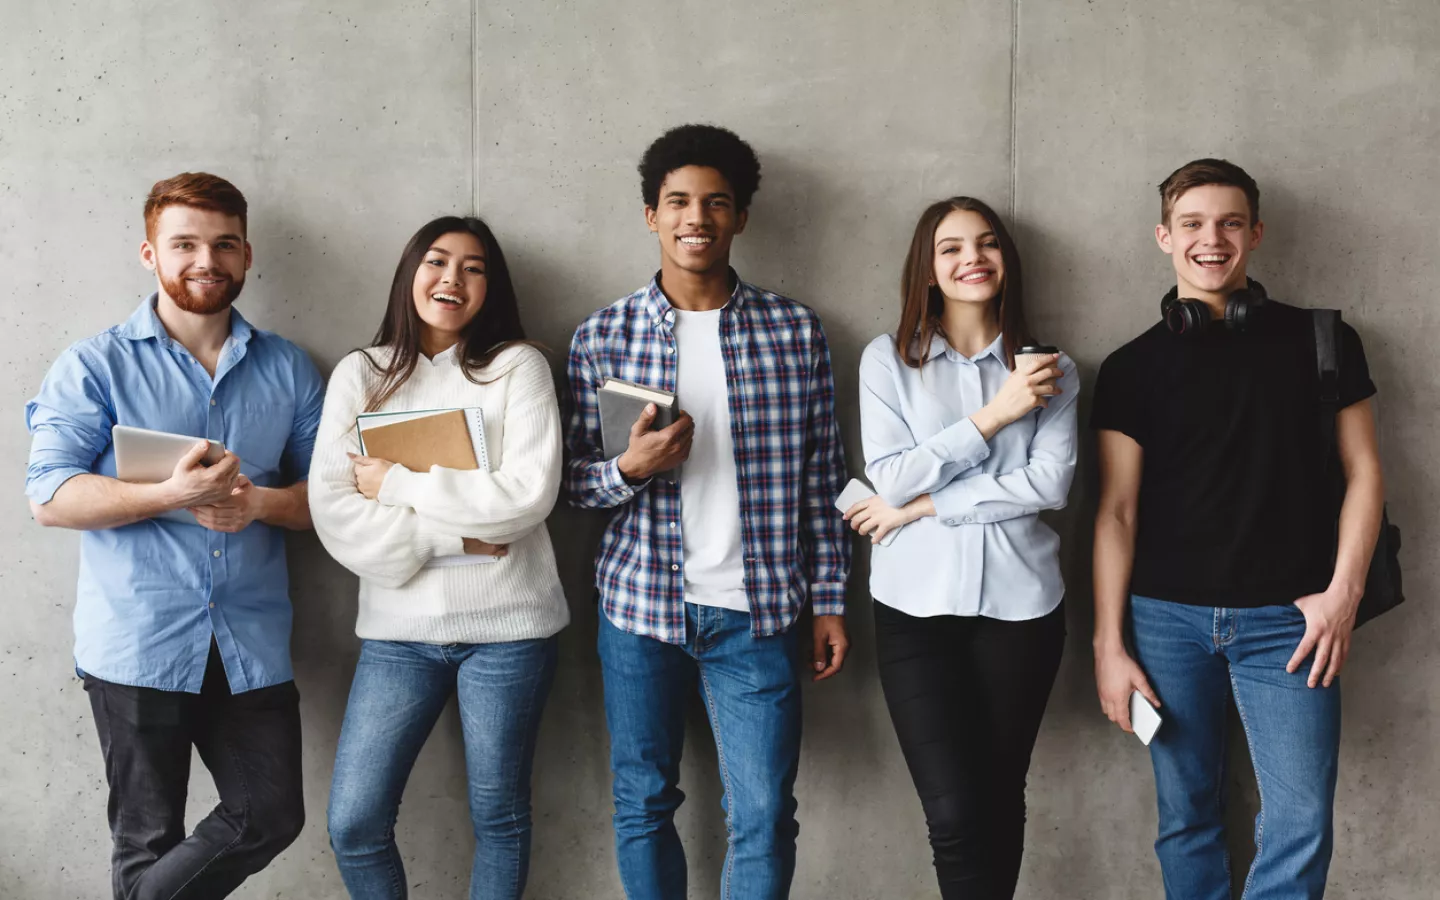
{"x": 949, "y": 521}
{"x": 212, "y": 606}
{"x": 672, "y": 524}
{"x": 216, "y": 554}
{"x": 670, "y": 350}
{"x": 212, "y": 402}
{"x": 674, "y": 568}
{"x": 966, "y": 520}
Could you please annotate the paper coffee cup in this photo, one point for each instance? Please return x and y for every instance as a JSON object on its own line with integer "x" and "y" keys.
{"x": 1028, "y": 353}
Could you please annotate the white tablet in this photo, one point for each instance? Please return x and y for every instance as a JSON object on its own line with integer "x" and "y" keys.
{"x": 143, "y": 456}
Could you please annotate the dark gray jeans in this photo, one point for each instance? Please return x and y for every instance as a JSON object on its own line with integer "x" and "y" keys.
{"x": 250, "y": 742}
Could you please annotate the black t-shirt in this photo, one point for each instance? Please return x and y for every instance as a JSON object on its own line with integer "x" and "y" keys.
{"x": 1232, "y": 510}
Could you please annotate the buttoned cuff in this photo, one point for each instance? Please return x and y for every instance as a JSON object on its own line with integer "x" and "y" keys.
{"x": 963, "y": 444}
{"x": 614, "y": 486}
{"x": 827, "y": 598}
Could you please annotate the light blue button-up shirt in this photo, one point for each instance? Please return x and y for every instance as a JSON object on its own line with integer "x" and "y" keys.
{"x": 152, "y": 595}
{"x": 985, "y": 552}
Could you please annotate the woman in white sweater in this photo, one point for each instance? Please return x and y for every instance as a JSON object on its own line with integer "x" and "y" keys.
{"x": 458, "y": 587}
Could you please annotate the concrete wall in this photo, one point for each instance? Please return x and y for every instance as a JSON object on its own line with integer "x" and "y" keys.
{"x": 348, "y": 128}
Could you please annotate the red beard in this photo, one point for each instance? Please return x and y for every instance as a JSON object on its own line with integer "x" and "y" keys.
{"x": 192, "y": 299}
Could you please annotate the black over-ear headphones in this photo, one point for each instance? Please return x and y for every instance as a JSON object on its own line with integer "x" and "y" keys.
{"x": 1184, "y": 316}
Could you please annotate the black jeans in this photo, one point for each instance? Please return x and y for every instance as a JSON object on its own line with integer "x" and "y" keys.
{"x": 250, "y": 742}
{"x": 966, "y": 695}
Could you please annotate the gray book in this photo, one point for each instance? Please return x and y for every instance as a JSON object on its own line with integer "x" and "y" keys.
{"x": 621, "y": 403}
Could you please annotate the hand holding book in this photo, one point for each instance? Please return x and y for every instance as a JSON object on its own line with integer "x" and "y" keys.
{"x": 650, "y": 452}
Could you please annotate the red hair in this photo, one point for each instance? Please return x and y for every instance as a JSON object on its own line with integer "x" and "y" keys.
{"x": 198, "y": 189}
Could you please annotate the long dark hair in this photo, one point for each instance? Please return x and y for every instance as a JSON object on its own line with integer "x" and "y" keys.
{"x": 923, "y": 302}
{"x": 495, "y": 327}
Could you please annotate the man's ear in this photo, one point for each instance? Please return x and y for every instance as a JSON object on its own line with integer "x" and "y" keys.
{"x": 650, "y": 218}
{"x": 1162, "y": 237}
{"x": 741, "y": 219}
{"x": 147, "y": 255}
{"x": 1256, "y": 233}
{"x": 249, "y": 256}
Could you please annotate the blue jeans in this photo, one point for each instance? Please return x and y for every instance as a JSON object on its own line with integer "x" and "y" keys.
{"x": 752, "y": 694}
{"x": 396, "y": 698}
{"x": 1196, "y": 657}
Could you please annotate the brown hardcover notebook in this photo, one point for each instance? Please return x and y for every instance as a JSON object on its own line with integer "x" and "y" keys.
{"x": 417, "y": 444}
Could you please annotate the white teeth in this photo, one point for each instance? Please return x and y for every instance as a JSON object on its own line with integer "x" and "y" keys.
{"x": 448, "y": 298}
{"x": 695, "y": 240}
{"x": 975, "y": 277}
{"x": 1211, "y": 258}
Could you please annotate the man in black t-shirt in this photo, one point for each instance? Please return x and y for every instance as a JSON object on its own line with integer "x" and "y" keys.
{"x": 1216, "y": 533}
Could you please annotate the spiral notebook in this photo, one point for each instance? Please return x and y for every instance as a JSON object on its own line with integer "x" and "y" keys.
{"x": 420, "y": 439}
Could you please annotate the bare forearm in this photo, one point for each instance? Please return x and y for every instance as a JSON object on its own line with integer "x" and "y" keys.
{"x": 1114, "y": 558}
{"x": 95, "y": 502}
{"x": 287, "y": 507}
{"x": 1359, "y": 526}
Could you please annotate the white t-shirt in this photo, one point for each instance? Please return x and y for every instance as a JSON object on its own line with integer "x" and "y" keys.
{"x": 709, "y": 483}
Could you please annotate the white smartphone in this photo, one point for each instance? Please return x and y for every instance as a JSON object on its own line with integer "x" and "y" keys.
{"x": 854, "y": 492}
{"x": 1143, "y": 718}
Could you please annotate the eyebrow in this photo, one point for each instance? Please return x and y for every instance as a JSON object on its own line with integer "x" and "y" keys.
{"x": 196, "y": 237}
{"x": 980, "y": 237}
{"x": 1227, "y": 215}
{"x": 710, "y": 196}
{"x": 444, "y": 252}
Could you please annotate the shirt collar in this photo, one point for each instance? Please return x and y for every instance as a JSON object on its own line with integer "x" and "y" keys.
{"x": 450, "y": 356}
{"x": 658, "y": 305}
{"x": 144, "y": 323}
{"x": 941, "y": 347}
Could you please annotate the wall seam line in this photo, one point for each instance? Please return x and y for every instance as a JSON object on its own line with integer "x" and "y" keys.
{"x": 474, "y": 108}
{"x": 1014, "y": 107}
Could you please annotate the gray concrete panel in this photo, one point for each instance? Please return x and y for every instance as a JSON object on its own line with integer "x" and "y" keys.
{"x": 349, "y": 127}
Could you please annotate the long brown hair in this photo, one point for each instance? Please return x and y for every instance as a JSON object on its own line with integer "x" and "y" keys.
{"x": 495, "y": 327}
{"x": 922, "y": 302}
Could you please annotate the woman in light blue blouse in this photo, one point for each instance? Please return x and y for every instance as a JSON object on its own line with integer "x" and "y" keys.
{"x": 965, "y": 444}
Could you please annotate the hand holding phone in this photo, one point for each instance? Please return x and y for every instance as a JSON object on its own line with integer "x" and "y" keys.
{"x": 1144, "y": 719}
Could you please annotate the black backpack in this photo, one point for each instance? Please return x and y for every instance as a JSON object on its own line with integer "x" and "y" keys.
{"x": 1382, "y": 583}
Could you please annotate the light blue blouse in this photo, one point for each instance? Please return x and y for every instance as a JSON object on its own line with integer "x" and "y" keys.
{"x": 985, "y": 552}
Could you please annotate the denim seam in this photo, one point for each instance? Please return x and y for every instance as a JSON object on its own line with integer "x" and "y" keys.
{"x": 117, "y": 836}
{"x": 1259, "y": 786}
{"x": 239, "y": 834}
{"x": 725, "y": 778}
{"x": 531, "y": 729}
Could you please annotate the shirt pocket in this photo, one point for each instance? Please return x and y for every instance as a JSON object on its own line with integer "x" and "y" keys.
{"x": 260, "y": 436}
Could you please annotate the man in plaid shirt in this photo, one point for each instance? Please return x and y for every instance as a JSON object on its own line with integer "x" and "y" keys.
{"x": 702, "y": 581}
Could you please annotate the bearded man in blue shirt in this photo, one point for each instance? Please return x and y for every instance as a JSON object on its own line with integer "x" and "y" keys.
{"x": 182, "y": 620}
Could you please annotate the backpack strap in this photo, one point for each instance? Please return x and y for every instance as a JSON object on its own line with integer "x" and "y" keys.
{"x": 1327, "y": 362}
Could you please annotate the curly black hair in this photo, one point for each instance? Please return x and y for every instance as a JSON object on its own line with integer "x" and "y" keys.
{"x": 700, "y": 145}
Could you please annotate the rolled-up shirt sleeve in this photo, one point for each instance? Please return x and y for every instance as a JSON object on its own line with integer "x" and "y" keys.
{"x": 69, "y": 423}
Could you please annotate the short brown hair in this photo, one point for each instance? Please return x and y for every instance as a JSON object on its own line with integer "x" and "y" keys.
{"x": 1207, "y": 171}
{"x": 198, "y": 189}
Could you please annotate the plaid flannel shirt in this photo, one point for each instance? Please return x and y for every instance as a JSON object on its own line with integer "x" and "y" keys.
{"x": 788, "y": 457}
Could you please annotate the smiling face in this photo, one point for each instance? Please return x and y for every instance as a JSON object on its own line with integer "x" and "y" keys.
{"x": 449, "y": 288}
{"x": 696, "y": 219}
{"x": 1209, "y": 238}
{"x": 199, "y": 258}
{"x": 968, "y": 267}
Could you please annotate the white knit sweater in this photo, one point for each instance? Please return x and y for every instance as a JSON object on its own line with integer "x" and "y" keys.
{"x": 420, "y": 515}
